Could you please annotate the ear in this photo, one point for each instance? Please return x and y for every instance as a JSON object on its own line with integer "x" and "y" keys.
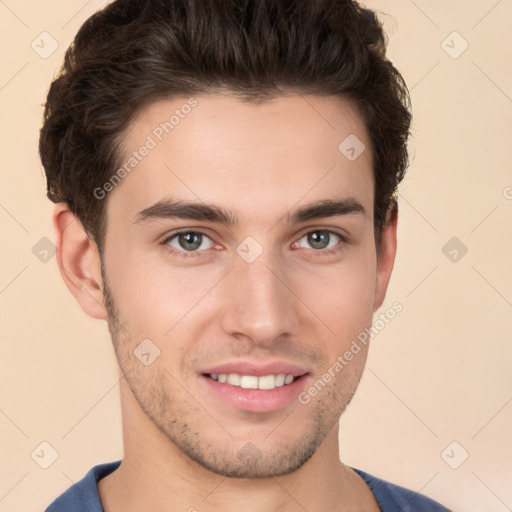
{"x": 386, "y": 255}
{"x": 79, "y": 261}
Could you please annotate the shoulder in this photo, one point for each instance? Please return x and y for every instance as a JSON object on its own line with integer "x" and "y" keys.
{"x": 393, "y": 498}
{"x": 83, "y": 495}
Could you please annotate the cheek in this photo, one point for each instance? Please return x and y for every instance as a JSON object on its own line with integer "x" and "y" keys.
{"x": 342, "y": 296}
{"x": 346, "y": 311}
{"x": 153, "y": 297}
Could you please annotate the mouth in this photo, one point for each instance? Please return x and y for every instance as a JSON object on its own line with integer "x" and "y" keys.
{"x": 259, "y": 389}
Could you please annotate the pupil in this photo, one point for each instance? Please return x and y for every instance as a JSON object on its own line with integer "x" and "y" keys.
{"x": 190, "y": 241}
{"x": 319, "y": 239}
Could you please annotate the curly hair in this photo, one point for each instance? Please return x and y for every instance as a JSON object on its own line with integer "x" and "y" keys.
{"x": 135, "y": 52}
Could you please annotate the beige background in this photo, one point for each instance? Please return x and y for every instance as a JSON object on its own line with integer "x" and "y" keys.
{"x": 439, "y": 372}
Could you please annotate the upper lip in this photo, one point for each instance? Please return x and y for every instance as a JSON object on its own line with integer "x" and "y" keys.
{"x": 257, "y": 369}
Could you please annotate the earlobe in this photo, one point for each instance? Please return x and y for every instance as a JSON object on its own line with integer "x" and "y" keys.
{"x": 386, "y": 255}
{"x": 79, "y": 261}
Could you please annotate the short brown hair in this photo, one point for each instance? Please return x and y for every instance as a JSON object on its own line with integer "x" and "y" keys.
{"x": 134, "y": 52}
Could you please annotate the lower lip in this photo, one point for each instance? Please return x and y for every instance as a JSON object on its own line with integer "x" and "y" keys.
{"x": 256, "y": 400}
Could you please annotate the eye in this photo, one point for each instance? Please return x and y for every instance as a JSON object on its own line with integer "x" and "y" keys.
{"x": 319, "y": 240}
{"x": 189, "y": 241}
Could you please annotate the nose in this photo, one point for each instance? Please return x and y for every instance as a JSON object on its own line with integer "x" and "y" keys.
{"x": 259, "y": 302}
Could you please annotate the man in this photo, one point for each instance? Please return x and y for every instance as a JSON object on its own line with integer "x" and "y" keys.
{"x": 224, "y": 174}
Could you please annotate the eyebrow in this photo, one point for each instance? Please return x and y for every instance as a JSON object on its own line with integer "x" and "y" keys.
{"x": 178, "y": 209}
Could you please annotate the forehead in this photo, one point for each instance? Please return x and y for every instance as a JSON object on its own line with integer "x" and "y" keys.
{"x": 257, "y": 158}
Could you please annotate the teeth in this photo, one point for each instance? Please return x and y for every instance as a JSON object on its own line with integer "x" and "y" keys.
{"x": 234, "y": 379}
{"x": 267, "y": 382}
{"x": 253, "y": 382}
{"x": 249, "y": 382}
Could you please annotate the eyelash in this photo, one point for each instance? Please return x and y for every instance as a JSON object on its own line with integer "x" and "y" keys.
{"x": 316, "y": 252}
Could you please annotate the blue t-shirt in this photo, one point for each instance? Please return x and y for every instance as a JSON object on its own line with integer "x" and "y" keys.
{"x": 83, "y": 496}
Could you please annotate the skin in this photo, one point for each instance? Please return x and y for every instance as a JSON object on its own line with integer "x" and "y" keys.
{"x": 294, "y": 303}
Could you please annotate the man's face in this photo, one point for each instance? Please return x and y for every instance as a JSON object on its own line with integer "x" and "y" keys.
{"x": 269, "y": 294}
